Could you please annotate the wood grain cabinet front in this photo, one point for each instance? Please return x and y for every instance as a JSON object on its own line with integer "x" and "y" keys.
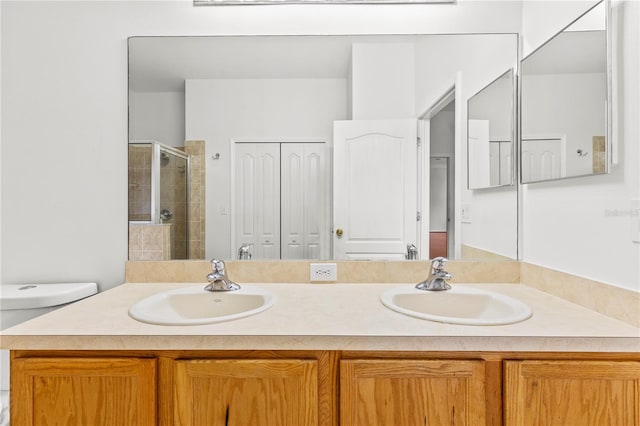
{"x": 572, "y": 393}
{"x": 83, "y": 391}
{"x": 243, "y": 392}
{"x": 412, "y": 392}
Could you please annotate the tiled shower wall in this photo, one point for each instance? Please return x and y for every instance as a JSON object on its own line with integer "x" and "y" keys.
{"x": 140, "y": 182}
{"x": 196, "y": 149}
{"x": 150, "y": 242}
{"x": 173, "y": 196}
{"x": 599, "y": 154}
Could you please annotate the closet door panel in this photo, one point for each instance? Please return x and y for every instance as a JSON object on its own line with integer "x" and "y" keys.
{"x": 304, "y": 201}
{"x": 293, "y": 206}
{"x": 258, "y": 198}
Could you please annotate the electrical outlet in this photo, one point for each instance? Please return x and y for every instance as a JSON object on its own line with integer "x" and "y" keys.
{"x": 323, "y": 272}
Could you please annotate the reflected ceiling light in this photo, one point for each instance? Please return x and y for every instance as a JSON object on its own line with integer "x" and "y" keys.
{"x": 262, "y": 2}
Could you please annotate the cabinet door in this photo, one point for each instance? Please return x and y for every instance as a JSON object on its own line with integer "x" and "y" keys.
{"x": 246, "y": 392}
{"x": 567, "y": 393}
{"x": 83, "y": 391}
{"x": 412, "y": 392}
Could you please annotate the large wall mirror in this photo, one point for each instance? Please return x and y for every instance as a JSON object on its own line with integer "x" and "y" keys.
{"x": 564, "y": 102}
{"x": 490, "y": 134}
{"x": 238, "y": 146}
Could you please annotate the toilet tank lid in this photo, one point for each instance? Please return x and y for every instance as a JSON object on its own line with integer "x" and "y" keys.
{"x": 31, "y": 296}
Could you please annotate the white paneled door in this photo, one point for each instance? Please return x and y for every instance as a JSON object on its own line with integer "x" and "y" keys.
{"x": 281, "y": 200}
{"x": 374, "y": 188}
{"x": 479, "y": 154}
{"x": 543, "y": 159}
{"x": 304, "y": 201}
{"x": 257, "y": 182}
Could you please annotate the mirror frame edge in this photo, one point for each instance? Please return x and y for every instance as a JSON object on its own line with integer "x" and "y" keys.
{"x": 512, "y": 132}
{"x": 608, "y": 98}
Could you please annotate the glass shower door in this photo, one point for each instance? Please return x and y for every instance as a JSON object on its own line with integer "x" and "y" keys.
{"x": 158, "y": 202}
{"x": 174, "y": 170}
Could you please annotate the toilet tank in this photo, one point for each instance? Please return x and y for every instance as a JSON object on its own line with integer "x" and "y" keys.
{"x": 21, "y": 302}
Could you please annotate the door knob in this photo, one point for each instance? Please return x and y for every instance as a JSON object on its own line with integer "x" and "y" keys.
{"x": 339, "y": 232}
{"x": 166, "y": 214}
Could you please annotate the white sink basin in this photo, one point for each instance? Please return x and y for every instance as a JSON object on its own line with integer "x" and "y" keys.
{"x": 460, "y": 305}
{"x": 194, "y": 306}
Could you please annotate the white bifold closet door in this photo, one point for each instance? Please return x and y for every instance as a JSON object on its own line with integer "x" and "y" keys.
{"x": 281, "y": 200}
{"x": 257, "y": 183}
{"x": 304, "y": 203}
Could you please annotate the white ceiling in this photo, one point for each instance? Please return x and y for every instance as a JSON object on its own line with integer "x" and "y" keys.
{"x": 161, "y": 64}
{"x": 570, "y": 52}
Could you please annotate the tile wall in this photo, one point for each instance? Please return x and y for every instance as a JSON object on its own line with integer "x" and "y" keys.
{"x": 197, "y": 205}
{"x": 140, "y": 182}
{"x": 148, "y": 241}
{"x": 599, "y": 154}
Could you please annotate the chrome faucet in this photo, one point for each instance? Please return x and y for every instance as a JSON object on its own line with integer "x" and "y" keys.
{"x": 218, "y": 280}
{"x": 437, "y": 279}
{"x": 412, "y": 252}
{"x": 244, "y": 252}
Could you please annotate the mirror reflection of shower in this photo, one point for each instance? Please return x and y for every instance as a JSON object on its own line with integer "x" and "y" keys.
{"x": 158, "y": 201}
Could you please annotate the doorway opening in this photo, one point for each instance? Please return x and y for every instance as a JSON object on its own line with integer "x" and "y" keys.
{"x": 438, "y": 180}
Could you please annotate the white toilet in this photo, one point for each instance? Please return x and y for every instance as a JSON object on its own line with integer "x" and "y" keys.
{"x": 21, "y": 302}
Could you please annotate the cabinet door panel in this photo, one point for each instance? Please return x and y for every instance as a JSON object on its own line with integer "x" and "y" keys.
{"x": 566, "y": 393}
{"x": 246, "y": 392}
{"x": 412, "y": 392}
{"x": 83, "y": 391}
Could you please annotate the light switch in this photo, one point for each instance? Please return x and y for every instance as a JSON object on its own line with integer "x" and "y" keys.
{"x": 465, "y": 213}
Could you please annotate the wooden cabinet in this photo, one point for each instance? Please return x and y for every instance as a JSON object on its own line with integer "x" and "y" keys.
{"x": 412, "y": 392}
{"x": 323, "y": 388}
{"x": 83, "y": 391}
{"x": 245, "y": 392}
{"x": 566, "y": 393}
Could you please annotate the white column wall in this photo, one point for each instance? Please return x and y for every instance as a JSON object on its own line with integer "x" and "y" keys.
{"x": 383, "y": 81}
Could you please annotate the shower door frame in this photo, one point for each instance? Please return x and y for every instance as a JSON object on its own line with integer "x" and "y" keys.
{"x": 156, "y": 147}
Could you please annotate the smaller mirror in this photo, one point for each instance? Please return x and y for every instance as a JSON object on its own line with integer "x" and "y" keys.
{"x": 490, "y": 134}
{"x": 564, "y": 106}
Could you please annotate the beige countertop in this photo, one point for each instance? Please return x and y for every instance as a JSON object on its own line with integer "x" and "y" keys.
{"x": 323, "y": 317}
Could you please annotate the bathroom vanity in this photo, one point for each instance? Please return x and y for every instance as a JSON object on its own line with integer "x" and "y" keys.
{"x": 326, "y": 355}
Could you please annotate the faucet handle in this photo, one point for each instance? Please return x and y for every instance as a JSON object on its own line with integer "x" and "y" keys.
{"x": 437, "y": 263}
{"x": 244, "y": 252}
{"x": 217, "y": 278}
{"x": 218, "y": 266}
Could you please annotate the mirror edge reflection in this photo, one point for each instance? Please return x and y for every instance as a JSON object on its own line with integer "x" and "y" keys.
{"x": 512, "y": 132}
{"x": 611, "y": 150}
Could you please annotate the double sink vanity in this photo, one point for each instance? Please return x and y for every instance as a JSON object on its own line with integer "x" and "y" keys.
{"x": 432, "y": 299}
{"x": 359, "y": 353}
